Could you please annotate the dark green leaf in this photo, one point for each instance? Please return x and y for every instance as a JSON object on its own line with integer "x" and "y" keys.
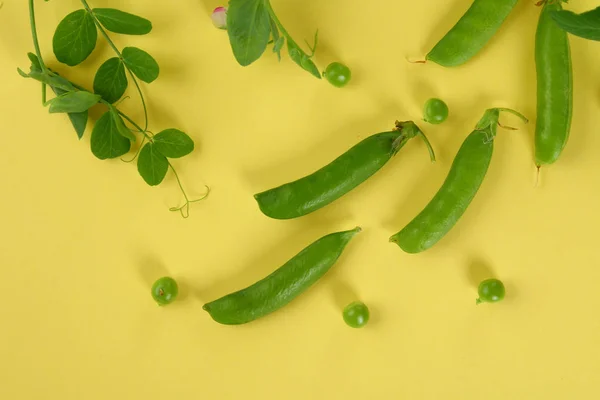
{"x": 111, "y": 81}
{"x": 120, "y": 124}
{"x": 73, "y": 102}
{"x": 78, "y": 120}
{"x": 152, "y": 165}
{"x": 248, "y": 27}
{"x": 106, "y": 141}
{"x": 121, "y": 22}
{"x": 302, "y": 59}
{"x": 141, "y": 64}
{"x": 173, "y": 143}
{"x": 75, "y": 38}
{"x": 585, "y": 25}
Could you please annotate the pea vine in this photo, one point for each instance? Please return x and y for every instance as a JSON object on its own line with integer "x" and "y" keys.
{"x": 114, "y": 132}
{"x": 252, "y": 25}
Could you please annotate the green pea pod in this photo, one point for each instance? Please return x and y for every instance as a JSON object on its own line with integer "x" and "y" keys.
{"x": 283, "y": 285}
{"x": 554, "y": 87}
{"x": 346, "y": 172}
{"x": 460, "y": 187}
{"x": 471, "y": 33}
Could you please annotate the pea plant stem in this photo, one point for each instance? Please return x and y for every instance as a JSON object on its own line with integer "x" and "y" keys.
{"x": 118, "y": 53}
{"x": 36, "y": 43}
{"x": 284, "y": 32}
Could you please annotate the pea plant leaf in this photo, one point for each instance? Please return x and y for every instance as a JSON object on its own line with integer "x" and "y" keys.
{"x": 35, "y": 62}
{"x": 141, "y": 64}
{"x": 120, "y": 124}
{"x": 78, "y": 120}
{"x": 121, "y": 22}
{"x": 110, "y": 81}
{"x": 75, "y": 38}
{"x": 585, "y": 25}
{"x": 302, "y": 59}
{"x": 54, "y": 81}
{"x": 106, "y": 141}
{"x": 249, "y": 28}
{"x": 173, "y": 143}
{"x": 152, "y": 165}
{"x": 73, "y": 102}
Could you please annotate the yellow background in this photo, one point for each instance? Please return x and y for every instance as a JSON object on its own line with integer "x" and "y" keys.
{"x": 82, "y": 240}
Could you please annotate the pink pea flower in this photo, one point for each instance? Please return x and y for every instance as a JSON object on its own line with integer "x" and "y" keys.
{"x": 219, "y": 17}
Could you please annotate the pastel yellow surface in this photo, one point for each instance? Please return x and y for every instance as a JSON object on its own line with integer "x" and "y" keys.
{"x": 83, "y": 239}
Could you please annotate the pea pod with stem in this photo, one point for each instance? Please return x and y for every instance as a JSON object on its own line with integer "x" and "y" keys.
{"x": 283, "y": 285}
{"x": 308, "y": 194}
{"x": 554, "y": 86}
{"x": 458, "y": 190}
{"x": 471, "y": 33}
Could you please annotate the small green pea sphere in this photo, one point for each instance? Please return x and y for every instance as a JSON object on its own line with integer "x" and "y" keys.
{"x": 490, "y": 291}
{"x": 435, "y": 112}
{"x": 356, "y": 314}
{"x": 164, "y": 291}
{"x": 338, "y": 74}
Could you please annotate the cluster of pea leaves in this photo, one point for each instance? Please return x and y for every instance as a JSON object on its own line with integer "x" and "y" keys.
{"x": 252, "y": 25}
{"x": 74, "y": 40}
{"x": 585, "y": 25}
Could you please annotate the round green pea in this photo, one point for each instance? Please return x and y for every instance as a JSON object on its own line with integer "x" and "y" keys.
{"x": 435, "y": 111}
{"x": 338, "y": 74}
{"x": 490, "y": 291}
{"x": 356, "y": 314}
{"x": 164, "y": 291}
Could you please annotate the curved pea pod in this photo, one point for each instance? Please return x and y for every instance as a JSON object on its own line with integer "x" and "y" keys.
{"x": 346, "y": 172}
{"x": 554, "y": 87}
{"x": 283, "y": 285}
{"x": 458, "y": 190}
{"x": 471, "y": 33}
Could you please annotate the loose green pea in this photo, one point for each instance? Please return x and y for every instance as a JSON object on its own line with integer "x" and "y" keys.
{"x": 338, "y": 74}
{"x": 356, "y": 314}
{"x": 554, "y": 87}
{"x": 164, "y": 291}
{"x": 472, "y": 32}
{"x": 435, "y": 111}
{"x": 283, "y": 285}
{"x": 490, "y": 291}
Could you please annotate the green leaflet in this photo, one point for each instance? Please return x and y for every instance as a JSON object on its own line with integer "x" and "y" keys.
{"x": 278, "y": 40}
{"x": 152, "y": 165}
{"x": 585, "y": 25}
{"x": 110, "y": 81}
{"x": 51, "y": 80}
{"x": 141, "y": 64}
{"x": 78, "y": 120}
{"x": 106, "y": 141}
{"x": 173, "y": 143}
{"x": 248, "y": 27}
{"x": 35, "y": 62}
{"x": 75, "y": 38}
{"x": 121, "y": 22}
{"x": 120, "y": 124}
{"x": 302, "y": 59}
{"x": 73, "y": 102}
